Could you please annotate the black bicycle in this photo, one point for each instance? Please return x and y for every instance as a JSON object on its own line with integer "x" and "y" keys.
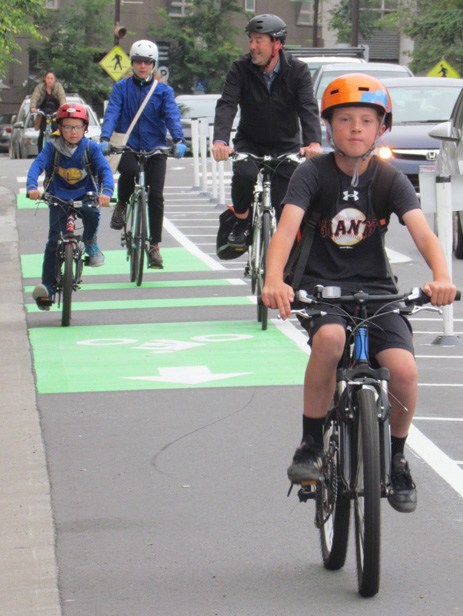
{"x": 263, "y": 222}
{"x": 70, "y": 257}
{"x": 135, "y": 233}
{"x": 357, "y": 441}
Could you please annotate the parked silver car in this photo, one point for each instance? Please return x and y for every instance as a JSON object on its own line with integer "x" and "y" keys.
{"x": 450, "y": 163}
{"x": 23, "y": 143}
{"x": 5, "y": 130}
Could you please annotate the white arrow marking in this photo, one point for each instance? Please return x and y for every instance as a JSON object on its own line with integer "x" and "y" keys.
{"x": 187, "y": 375}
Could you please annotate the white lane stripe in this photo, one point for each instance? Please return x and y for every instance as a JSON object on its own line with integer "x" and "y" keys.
{"x": 415, "y": 418}
{"x": 192, "y": 248}
{"x": 444, "y": 466}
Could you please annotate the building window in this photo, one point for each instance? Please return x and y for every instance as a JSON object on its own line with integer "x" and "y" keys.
{"x": 179, "y": 8}
{"x": 250, "y": 6}
{"x": 305, "y": 17}
{"x": 382, "y": 7}
{"x": 52, "y": 4}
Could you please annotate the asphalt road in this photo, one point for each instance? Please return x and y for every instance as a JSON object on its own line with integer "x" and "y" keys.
{"x": 163, "y": 421}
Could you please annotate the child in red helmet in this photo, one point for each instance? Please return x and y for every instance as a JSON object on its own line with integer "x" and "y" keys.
{"x": 74, "y": 166}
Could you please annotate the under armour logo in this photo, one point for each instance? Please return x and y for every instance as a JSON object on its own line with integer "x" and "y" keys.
{"x": 347, "y": 196}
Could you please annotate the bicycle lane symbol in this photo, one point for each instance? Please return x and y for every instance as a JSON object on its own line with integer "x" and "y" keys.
{"x": 148, "y": 356}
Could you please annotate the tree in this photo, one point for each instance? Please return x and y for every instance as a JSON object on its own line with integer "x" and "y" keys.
{"x": 202, "y": 57}
{"x": 341, "y": 20}
{"x": 436, "y": 26}
{"x": 78, "y": 37}
{"x": 13, "y": 24}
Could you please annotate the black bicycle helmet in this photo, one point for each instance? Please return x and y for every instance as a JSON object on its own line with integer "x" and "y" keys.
{"x": 269, "y": 24}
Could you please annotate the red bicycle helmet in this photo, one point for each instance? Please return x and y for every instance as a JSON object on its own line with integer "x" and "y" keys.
{"x": 357, "y": 89}
{"x": 72, "y": 110}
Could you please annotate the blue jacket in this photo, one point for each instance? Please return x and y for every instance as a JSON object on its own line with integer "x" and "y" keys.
{"x": 160, "y": 114}
{"x": 71, "y": 180}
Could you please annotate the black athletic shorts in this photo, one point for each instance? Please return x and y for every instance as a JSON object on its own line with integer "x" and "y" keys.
{"x": 387, "y": 331}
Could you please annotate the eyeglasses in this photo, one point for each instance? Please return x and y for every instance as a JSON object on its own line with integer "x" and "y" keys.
{"x": 139, "y": 61}
{"x": 69, "y": 129}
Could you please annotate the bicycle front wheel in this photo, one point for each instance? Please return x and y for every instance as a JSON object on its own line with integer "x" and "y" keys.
{"x": 367, "y": 495}
{"x": 262, "y": 311}
{"x": 142, "y": 235}
{"x": 332, "y": 506}
{"x": 67, "y": 281}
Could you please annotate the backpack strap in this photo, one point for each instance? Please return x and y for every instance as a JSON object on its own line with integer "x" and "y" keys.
{"x": 87, "y": 164}
{"x": 329, "y": 192}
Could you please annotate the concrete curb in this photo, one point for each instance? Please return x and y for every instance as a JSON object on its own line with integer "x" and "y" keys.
{"x": 28, "y": 569}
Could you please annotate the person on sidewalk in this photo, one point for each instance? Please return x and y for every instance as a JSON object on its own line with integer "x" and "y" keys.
{"x": 278, "y": 115}
{"x": 74, "y": 166}
{"x": 160, "y": 114}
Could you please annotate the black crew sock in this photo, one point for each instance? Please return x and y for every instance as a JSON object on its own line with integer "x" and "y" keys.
{"x": 312, "y": 429}
{"x": 397, "y": 445}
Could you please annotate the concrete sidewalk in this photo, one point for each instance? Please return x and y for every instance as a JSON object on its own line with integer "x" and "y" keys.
{"x": 28, "y": 571}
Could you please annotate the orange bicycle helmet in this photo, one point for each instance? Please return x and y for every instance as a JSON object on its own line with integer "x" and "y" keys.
{"x": 357, "y": 89}
{"x": 72, "y": 110}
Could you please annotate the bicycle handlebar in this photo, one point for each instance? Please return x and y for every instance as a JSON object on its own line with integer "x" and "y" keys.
{"x": 267, "y": 159}
{"x": 91, "y": 199}
{"x": 46, "y": 115}
{"x": 413, "y": 300}
{"x": 159, "y": 150}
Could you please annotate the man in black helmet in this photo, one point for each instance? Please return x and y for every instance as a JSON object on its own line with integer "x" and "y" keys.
{"x": 278, "y": 115}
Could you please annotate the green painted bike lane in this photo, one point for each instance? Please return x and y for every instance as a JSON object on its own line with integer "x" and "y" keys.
{"x": 147, "y": 356}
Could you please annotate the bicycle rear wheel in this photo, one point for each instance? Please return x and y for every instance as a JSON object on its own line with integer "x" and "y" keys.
{"x": 367, "y": 497}
{"x": 262, "y": 310}
{"x": 332, "y": 506}
{"x": 67, "y": 282}
{"x": 142, "y": 235}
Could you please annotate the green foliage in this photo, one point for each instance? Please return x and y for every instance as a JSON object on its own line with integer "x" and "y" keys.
{"x": 13, "y": 24}
{"x": 78, "y": 37}
{"x": 341, "y": 20}
{"x": 206, "y": 56}
{"x": 437, "y": 29}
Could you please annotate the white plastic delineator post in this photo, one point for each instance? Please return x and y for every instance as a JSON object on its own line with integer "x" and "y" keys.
{"x": 444, "y": 217}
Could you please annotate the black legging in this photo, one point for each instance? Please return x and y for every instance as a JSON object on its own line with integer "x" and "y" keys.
{"x": 155, "y": 175}
{"x": 244, "y": 179}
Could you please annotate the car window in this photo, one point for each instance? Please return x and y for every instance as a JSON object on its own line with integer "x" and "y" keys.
{"x": 30, "y": 120}
{"x": 5, "y": 118}
{"x": 422, "y": 104}
{"x": 201, "y": 108}
{"x": 329, "y": 76}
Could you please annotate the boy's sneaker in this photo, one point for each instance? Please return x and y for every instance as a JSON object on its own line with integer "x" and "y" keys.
{"x": 42, "y": 297}
{"x": 154, "y": 258}
{"x": 118, "y": 217}
{"x": 402, "y": 496}
{"x": 306, "y": 462}
{"x": 95, "y": 256}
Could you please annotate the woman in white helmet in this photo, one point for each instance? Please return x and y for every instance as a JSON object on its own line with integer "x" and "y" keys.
{"x": 160, "y": 115}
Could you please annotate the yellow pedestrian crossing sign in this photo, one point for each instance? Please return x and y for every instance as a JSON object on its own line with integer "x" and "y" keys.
{"x": 443, "y": 69}
{"x": 116, "y": 63}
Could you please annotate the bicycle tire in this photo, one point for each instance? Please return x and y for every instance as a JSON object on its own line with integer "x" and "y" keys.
{"x": 367, "y": 495}
{"x": 142, "y": 236}
{"x": 333, "y": 508}
{"x": 131, "y": 239}
{"x": 262, "y": 310}
{"x": 254, "y": 249}
{"x": 67, "y": 281}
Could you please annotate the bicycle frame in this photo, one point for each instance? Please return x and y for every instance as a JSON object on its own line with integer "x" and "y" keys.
{"x": 264, "y": 223}
{"x": 357, "y": 440}
{"x": 69, "y": 255}
{"x": 135, "y": 234}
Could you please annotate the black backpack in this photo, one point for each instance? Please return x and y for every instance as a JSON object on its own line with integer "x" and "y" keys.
{"x": 380, "y": 190}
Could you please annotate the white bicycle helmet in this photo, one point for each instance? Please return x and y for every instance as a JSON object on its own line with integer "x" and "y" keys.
{"x": 144, "y": 50}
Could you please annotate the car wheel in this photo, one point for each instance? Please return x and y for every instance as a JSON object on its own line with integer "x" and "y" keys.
{"x": 458, "y": 235}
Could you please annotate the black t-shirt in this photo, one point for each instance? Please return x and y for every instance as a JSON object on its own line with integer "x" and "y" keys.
{"x": 348, "y": 249}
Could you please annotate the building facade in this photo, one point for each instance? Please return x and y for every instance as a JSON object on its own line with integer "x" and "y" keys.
{"x": 137, "y": 17}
